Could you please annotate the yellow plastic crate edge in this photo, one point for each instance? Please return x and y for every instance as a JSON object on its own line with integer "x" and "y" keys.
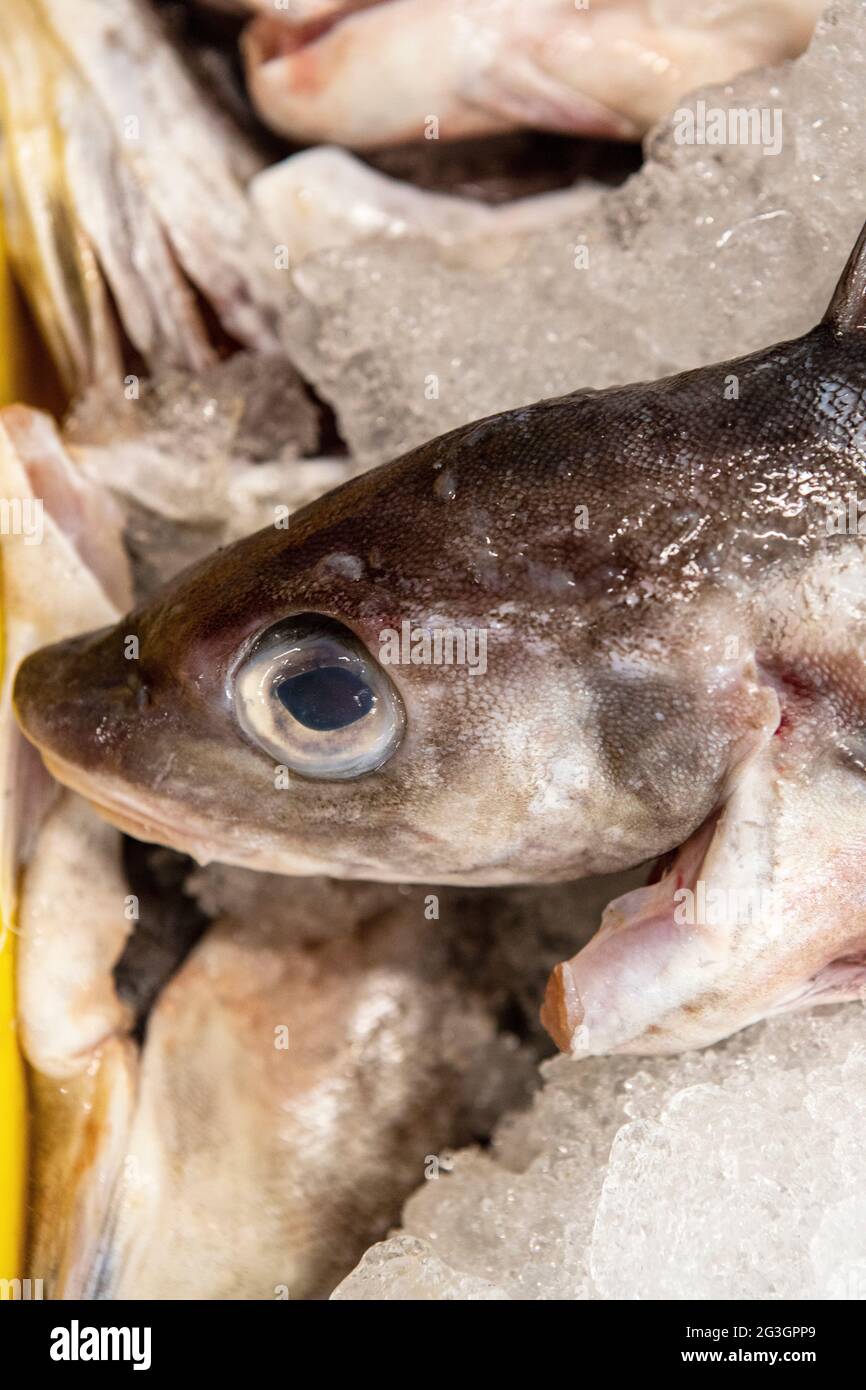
{"x": 13, "y": 1090}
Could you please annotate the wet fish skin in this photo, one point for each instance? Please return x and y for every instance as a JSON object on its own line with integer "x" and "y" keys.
{"x": 684, "y": 664}
{"x": 657, "y": 465}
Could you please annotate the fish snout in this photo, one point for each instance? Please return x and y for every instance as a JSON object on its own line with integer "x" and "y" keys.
{"x": 74, "y": 699}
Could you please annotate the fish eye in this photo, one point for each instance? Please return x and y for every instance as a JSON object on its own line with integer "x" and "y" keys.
{"x": 310, "y": 694}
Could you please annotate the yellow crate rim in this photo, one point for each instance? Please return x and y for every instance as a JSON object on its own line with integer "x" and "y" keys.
{"x": 13, "y": 1094}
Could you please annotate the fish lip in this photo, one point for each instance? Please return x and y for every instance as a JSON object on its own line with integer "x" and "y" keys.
{"x": 205, "y": 846}
{"x": 185, "y": 837}
{"x": 114, "y": 809}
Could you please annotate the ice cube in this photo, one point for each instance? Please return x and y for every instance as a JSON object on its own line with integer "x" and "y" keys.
{"x": 731, "y": 1173}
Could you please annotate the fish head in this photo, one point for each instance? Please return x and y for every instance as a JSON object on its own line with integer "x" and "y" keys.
{"x": 611, "y": 627}
{"x": 441, "y": 671}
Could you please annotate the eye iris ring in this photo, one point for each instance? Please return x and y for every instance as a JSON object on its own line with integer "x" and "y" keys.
{"x": 311, "y": 695}
{"x": 325, "y": 698}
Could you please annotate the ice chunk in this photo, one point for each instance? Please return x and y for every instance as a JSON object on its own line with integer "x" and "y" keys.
{"x": 325, "y": 197}
{"x": 709, "y": 251}
{"x": 837, "y": 1250}
{"x": 406, "y": 1268}
{"x": 731, "y": 1173}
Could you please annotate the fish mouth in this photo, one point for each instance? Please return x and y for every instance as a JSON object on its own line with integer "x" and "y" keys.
{"x": 150, "y": 822}
{"x": 152, "y": 825}
{"x": 125, "y": 815}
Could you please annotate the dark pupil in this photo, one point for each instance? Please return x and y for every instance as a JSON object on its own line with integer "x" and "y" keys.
{"x": 329, "y": 697}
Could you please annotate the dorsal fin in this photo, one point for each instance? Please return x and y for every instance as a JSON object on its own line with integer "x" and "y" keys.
{"x": 846, "y": 311}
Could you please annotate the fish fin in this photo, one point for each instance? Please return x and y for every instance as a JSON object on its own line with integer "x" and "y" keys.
{"x": 846, "y": 311}
{"x": 842, "y": 980}
{"x": 79, "y": 1171}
